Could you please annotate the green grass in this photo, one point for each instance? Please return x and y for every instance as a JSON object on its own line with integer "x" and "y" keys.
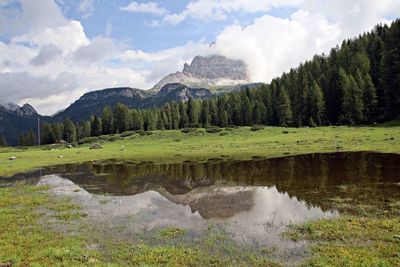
{"x": 241, "y": 143}
{"x": 28, "y": 240}
{"x": 371, "y": 240}
{"x": 171, "y": 232}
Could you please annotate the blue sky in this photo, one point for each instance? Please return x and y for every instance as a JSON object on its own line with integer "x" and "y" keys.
{"x": 135, "y": 29}
{"x": 53, "y": 51}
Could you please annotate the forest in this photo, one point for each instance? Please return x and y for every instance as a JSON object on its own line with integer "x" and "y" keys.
{"x": 357, "y": 83}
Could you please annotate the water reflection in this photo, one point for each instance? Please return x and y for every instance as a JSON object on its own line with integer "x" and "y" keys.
{"x": 313, "y": 178}
{"x": 251, "y": 214}
{"x": 254, "y": 199}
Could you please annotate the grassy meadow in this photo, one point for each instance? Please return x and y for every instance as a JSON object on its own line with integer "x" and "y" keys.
{"x": 229, "y": 144}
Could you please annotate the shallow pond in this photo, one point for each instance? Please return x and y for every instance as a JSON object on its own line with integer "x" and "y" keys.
{"x": 253, "y": 201}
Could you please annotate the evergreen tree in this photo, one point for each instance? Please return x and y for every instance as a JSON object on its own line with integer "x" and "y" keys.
{"x": 259, "y": 112}
{"x": 283, "y": 109}
{"x": 96, "y": 127}
{"x": 175, "y": 116}
{"x": 122, "y": 118}
{"x": 247, "y": 110}
{"x": 3, "y": 141}
{"x": 107, "y": 120}
{"x": 47, "y": 134}
{"x": 57, "y": 131}
{"x": 193, "y": 112}
{"x": 184, "y": 118}
{"x": 21, "y": 139}
{"x": 370, "y": 100}
{"x": 205, "y": 115}
{"x": 316, "y": 105}
{"x": 30, "y": 139}
{"x": 352, "y": 101}
{"x": 137, "y": 120}
{"x": 69, "y": 131}
{"x": 87, "y": 129}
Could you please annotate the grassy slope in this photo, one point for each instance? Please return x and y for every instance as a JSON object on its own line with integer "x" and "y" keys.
{"x": 175, "y": 146}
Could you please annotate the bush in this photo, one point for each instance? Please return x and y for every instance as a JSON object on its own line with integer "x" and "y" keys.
{"x": 188, "y": 130}
{"x": 257, "y": 127}
{"x": 127, "y": 133}
{"x": 213, "y": 129}
{"x": 88, "y": 140}
{"x": 285, "y": 132}
{"x": 104, "y": 137}
{"x": 145, "y": 133}
{"x": 232, "y": 127}
{"x": 113, "y": 139}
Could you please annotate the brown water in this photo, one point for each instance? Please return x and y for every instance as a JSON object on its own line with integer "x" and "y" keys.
{"x": 253, "y": 200}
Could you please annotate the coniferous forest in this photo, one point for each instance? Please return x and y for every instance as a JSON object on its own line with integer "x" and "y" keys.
{"x": 357, "y": 83}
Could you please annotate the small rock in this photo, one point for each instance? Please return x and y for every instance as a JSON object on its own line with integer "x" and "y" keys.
{"x": 60, "y": 157}
{"x": 70, "y": 146}
{"x": 95, "y": 146}
{"x": 12, "y": 158}
{"x": 396, "y": 237}
{"x": 122, "y": 146}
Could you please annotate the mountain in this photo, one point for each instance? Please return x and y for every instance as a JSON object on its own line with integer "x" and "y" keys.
{"x": 201, "y": 79}
{"x": 209, "y": 72}
{"x": 15, "y": 120}
{"x": 25, "y": 110}
{"x": 92, "y": 103}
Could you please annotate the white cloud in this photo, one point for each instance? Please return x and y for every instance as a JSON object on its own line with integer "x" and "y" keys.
{"x": 96, "y": 51}
{"x": 86, "y": 8}
{"x": 32, "y": 15}
{"x": 220, "y": 9}
{"x": 150, "y": 7}
{"x": 46, "y": 54}
{"x": 272, "y": 45}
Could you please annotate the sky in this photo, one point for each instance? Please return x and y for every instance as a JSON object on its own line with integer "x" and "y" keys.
{"x": 53, "y": 51}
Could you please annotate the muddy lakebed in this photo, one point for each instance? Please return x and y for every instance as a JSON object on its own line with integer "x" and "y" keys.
{"x": 252, "y": 202}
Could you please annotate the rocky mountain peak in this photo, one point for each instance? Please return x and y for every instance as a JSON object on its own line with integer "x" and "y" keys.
{"x": 28, "y": 110}
{"x": 208, "y": 72}
{"x": 25, "y": 110}
{"x": 215, "y": 67}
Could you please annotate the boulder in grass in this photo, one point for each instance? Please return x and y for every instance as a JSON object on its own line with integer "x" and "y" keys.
{"x": 12, "y": 158}
{"x": 95, "y": 146}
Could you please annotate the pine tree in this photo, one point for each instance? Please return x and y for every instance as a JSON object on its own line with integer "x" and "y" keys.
{"x": 137, "y": 120}
{"x": 57, "y": 131}
{"x": 316, "y": 105}
{"x": 86, "y": 129}
{"x": 175, "y": 116}
{"x": 184, "y": 118}
{"x": 96, "y": 127}
{"x": 205, "y": 116}
{"x": 69, "y": 131}
{"x": 283, "y": 109}
{"x": 21, "y": 140}
{"x": 352, "y": 104}
{"x": 193, "y": 112}
{"x": 122, "y": 118}
{"x": 259, "y": 112}
{"x": 247, "y": 110}
{"x": 30, "y": 139}
{"x": 107, "y": 120}
{"x": 47, "y": 134}
{"x": 370, "y": 100}
{"x": 3, "y": 141}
